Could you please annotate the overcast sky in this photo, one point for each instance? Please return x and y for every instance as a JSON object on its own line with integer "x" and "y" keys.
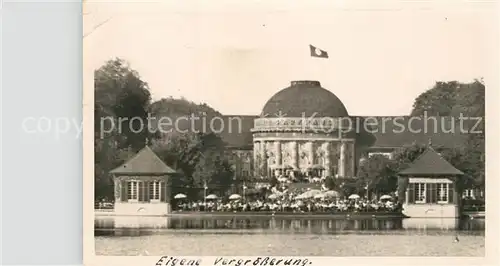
{"x": 236, "y": 56}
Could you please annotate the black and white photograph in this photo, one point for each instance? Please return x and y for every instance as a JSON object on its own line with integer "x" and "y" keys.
{"x": 288, "y": 131}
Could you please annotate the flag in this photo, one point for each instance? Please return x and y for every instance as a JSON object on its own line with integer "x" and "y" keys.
{"x": 316, "y": 52}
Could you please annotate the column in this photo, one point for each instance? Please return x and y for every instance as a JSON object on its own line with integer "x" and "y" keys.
{"x": 118, "y": 189}
{"x": 277, "y": 149}
{"x": 310, "y": 150}
{"x": 295, "y": 157}
{"x": 342, "y": 159}
{"x": 263, "y": 156}
{"x": 406, "y": 194}
{"x": 352, "y": 159}
{"x": 256, "y": 159}
{"x": 328, "y": 168}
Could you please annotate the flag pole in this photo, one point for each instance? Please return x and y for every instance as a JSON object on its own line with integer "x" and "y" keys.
{"x": 316, "y": 69}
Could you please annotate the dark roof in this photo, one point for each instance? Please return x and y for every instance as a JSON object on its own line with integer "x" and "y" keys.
{"x": 305, "y": 98}
{"x": 398, "y": 131}
{"x": 236, "y": 133}
{"x": 385, "y": 133}
{"x": 430, "y": 163}
{"x": 144, "y": 162}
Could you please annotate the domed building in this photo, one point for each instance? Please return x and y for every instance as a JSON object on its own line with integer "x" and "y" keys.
{"x": 305, "y": 132}
{"x": 300, "y": 135}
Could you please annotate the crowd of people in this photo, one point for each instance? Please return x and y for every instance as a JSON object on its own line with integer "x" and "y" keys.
{"x": 292, "y": 201}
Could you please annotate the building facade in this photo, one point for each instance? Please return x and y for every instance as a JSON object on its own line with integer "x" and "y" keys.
{"x": 300, "y": 134}
{"x": 305, "y": 131}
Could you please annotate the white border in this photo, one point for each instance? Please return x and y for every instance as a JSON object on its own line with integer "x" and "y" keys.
{"x": 492, "y": 150}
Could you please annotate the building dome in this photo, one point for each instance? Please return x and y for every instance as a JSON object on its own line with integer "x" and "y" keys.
{"x": 305, "y": 98}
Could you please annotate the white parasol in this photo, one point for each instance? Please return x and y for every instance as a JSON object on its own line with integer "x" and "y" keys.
{"x": 212, "y": 196}
{"x": 385, "y": 197}
{"x": 234, "y": 197}
{"x": 180, "y": 196}
{"x": 354, "y": 196}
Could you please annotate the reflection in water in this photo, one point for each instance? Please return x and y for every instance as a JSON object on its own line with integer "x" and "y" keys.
{"x": 135, "y": 226}
{"x": 286, "y": 224}
{"x": 436, "y": 223}
{"x": 287, "y": 236}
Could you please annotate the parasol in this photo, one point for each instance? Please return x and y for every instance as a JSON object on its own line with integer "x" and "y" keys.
{"x": 211, "y": 196}
{"x": 180, "y": 196}
{"x": 234, "y": 197}
{"x": 354, "y": 196}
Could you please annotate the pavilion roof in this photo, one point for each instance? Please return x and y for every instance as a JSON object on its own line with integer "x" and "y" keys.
{"x": 144, "y": 162}
{"x": 430, "y": 163}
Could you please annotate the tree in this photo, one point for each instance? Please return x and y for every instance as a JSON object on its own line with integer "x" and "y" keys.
{"x": 198, "y": 152}
{"x": 471, "y": 103}
{"x": 402, "y": 158}
{"x": 438, "y": 101}
{"x": 201, "y": 159}
{"x": 349, "y": 186}
{"x": 450, "y": 99}
{"x": 119, "y": 93}
{"x": 122, "y": 97}
{"x": 377, "y": 174}
{"x": 467, "y": 100}
{"x": 470, "y": 163}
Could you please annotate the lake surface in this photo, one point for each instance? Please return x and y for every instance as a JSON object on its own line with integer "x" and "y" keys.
{"x": 287, "y": 236}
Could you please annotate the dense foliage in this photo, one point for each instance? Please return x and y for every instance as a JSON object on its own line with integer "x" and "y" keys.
{"x": 466, "y": 100}
{"x": 119, "y": 92}
{"x": 121, "y": 95}
{"x": 378, "y": 173}
{"x": 201, "y": 160}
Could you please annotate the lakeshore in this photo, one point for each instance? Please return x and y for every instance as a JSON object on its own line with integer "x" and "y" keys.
{"x": 250, "y": 214}
{"x": 294, "y": 215}
{"x": 193, "y": 234}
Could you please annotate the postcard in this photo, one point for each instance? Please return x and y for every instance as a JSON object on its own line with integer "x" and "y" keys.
{"x": 288, "y": 133}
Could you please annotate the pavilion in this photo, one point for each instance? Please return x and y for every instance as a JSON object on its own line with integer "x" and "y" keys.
{"x": 431, "y": 189}
{"x": 141, "y": 185}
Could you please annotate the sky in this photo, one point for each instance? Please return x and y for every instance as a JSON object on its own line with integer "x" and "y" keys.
{"x": 235, "y": 56}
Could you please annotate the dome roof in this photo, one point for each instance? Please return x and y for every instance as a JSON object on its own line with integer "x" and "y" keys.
{"x": 305, "y": 98}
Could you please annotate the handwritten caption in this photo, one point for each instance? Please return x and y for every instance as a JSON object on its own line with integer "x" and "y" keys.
{"x": 221, "y": 261}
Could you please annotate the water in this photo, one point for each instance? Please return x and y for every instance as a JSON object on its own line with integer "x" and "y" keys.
{"x": 259, "y": 236}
